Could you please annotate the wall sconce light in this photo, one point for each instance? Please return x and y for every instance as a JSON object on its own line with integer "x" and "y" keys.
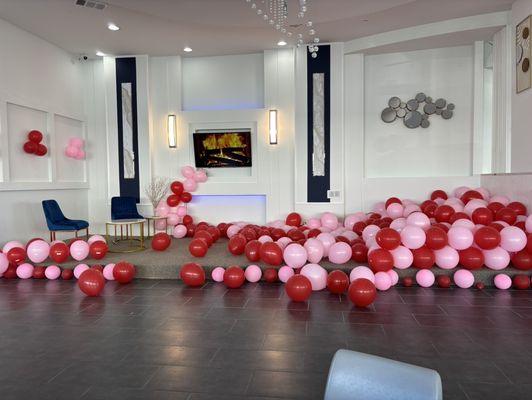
{"x": 273, "y": 127}
{"x": 171, "y": 129}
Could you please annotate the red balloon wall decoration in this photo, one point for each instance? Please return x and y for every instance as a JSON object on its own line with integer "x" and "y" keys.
{"x": 33, "y": 145}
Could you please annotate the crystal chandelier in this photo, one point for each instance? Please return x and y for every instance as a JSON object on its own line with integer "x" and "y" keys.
{"x": 275, "y": 13}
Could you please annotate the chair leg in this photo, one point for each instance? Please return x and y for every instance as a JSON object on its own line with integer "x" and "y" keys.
{"x": 87, "y": 233}
{"x": 51, "y": 236}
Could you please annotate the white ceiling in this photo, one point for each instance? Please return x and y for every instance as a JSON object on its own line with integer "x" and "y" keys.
{"x": 215, "y": 27}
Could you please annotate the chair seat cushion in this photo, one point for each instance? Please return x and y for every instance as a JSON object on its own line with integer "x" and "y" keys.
{"x": 63, "y": 226}
{"x": 79, "y": 223}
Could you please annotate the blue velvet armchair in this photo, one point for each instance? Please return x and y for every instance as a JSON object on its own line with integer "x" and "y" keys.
{"x": 57, "y": 222}
{"x": 124, "y": 208}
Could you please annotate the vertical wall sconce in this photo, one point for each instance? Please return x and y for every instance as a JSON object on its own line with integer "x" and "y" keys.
{"x": 171, "y": 129}
{"x": 273, "y": 127}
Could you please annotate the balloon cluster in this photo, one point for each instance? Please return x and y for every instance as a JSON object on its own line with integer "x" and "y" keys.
{"x": 170, "y": 208}
{"x": 33, "y": 145}
{"x": 75, "y": 149}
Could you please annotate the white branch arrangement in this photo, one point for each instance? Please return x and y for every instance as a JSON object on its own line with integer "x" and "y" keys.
{"x": 156, "y": 190}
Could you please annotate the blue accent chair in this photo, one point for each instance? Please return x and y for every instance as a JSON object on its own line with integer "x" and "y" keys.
{"x": 57, "y": 222}
{"x": 124, "y": 207}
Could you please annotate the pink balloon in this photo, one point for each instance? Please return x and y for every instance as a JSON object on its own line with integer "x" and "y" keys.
{"x": 188, "y": 171}
{"x": 316, "y": 274}
{"x": 180, "y": 231}
{"x": 314, "y": 223}
{"x": 463, "y": 278}
{"x": 285, "y": 273}
{"x": 233, "y": 230}
{"x": 80, "y": 154}
{"x": 38, "y": 251}
{"x": 79, "y": 250}
{"x": 362, "y": 272}
{"x": 295, "y": 255}
{"x": 181, "y": 211}
{"x": 76, "y": 142}
{"x": 383, "y": 281}
{"x": 253, "y": 273}
{"x": 496, "y": 259}
{"x": 459, "y": 191}
{"x": 327, "y": 240}
{"x": 379, "y": 207}
{"x": 108, "y": 272}
{"x": 513, "y": 239}
{"x": 502, "y": 281}
{"x": 460, "y": 238}
{"x": 473, "y": 204}
{"x": 439, "y": 201}
{"x": 96, "y": 238}
{"x": 283, "y": 242}
{"x": 71, "y": 151}
{"x": 369, "y": 232}
{"x": 190, "y": 185}
{"x": 528, "y": 224}
{"x": 9, "y": 245}
{"x": 413, "y": 237}
{"x": 484, "y": 192}
{"x": 79, "y": 269}
{"x": 395, "y": 210}
{"x": 352, "y": 219}
{"x": 446, "y": 258}
{"x": 52, "y": 272}
{"x": 418, "y": 219}
{"x": 265, "y": 238}
{"x": 425, "y": 278}
{"x": 200, "y": 176}
{"x": 393, "y": 276}
{"x": 172, "y": 219}
{"x": 500, "y": 199}
{"x": 340, "y": 253}
{"x": 217, "y": 274}
{"x": 4, "y": 263}
{"x": 162, "y": 209}
{"x": 25, "y": 271}
{"x": 464, "y": 223}
{"x": 329, "y": 220}
{"x": 398, "y": 224}
{"x": 410, "y": 208}
{"x": 161, "y": 224}
{"x": 402, "y": 257}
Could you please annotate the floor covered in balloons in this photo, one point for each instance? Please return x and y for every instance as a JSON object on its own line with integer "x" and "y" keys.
{"x": 159, "y": 339}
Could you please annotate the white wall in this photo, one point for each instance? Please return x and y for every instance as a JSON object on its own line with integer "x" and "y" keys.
{"x": 40, "y": 88}
{"x": 521, "y": 103}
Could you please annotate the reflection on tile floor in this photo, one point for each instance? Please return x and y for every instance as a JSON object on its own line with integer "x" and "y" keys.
{"x": 162, "y": 340}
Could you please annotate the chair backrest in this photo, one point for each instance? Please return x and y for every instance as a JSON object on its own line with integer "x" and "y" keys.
{"x": 124, "y": 207}
{"x": 52, "y": 211}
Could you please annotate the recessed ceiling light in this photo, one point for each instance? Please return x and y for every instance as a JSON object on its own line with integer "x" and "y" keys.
{"x": 281, "y": 43}
{"x": 100, "y": 53}
{"x": 187, "y": 49}
{"x": 113, "y": 27}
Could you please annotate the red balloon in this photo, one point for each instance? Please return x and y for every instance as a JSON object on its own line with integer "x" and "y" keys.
{"x": 223, "y": 228}
{"x": 234, "y": 277}
{"x": 443, "y": 213}
{"x": 359, "y": 227}
{"x": 295, "y": 234}
{"x": 293, "y": 219}
{"x": 337, "y": 282}
{"x": 192, "y": 274}
{"x": 521, "y": 282}
{"x": 408, "y": 281}
{"x": 98, "y": 249}
{"x": 442, "y": 226}
{"x": 124, "y": 272}
{"x": 270, "y": 275}
{"x": 30, "y": 147}
{"x": 186, "y": 197}
{"x": 160, "y": 241}
{"x": 16, "y": 255}
{"x": 456, "y": 216}
{"x": 482, "y": 216}
{"x": 362, "y": 292}
{"x": 494, "y": 207}
{"x": 529, "y": 243}
{"x": 471, "y": 258}
{"x": 237, "y": 245}
{"x": 470, "y": 195}
{"x": 427, "y": 203}
{"x": 479, "y": 285}
{"x": 507, "y": 215}
{"x": 67, "y": 274}
{"x": 380, "y": 260}
{"x": 443, "y": 281}
{"x": 35, "y": 136}
{"x": 496, "y": 226}
{"x": 41, "y": 150}
{"x": 198, "y": 247}
{"x": 38, "y": 272}
{"x": 388, "y": 238}
{"x": 271, "y": 253}
{"x": 522, "y": 260}
{"x": 313, "y": 233}
{"x": 252, "y": 250}
{"x": 59, "y": 252}
{"x": 98, "y": 267}
{"x": 203, "y": 234}
{"x": 518, "y": 207}
{"x": 176, "y": 187}
{"x": 173, "y": 200}
{"x": 487, "y": 238}
{"x": 392, "y": 200}
{"x": 249, "y": 234}
{"x": 187, "y": 220}
{"x": 521, "y": 225}
{"x": 214, "y": 232}
{"x": 277, "y": 233}
{"x": 436, "y": 238}
{"x": 91, "y": 282}
{"x": 359, "y": 253}
{"x": 438, "y": 194}
{"x": 430, "y": 210}
{"x": 423, "y": 258}
{"x": 298, "y": 288}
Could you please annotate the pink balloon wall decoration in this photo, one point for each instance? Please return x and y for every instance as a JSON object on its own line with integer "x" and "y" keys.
{"x": 75, "y": 149}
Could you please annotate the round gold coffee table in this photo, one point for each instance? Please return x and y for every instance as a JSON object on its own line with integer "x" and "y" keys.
{"x": 153, "y": 220}
{"x": 134, "y": 243}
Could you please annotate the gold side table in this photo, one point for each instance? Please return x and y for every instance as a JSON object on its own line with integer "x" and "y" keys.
{"x": 134, "y": 243}
{"x": 153, "y": 220}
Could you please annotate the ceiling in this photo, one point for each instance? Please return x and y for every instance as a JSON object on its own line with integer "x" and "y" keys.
{"x": 216, "y": 27}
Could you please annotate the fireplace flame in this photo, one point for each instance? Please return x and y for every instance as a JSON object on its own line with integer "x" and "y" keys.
{"x": 214, "y": 142}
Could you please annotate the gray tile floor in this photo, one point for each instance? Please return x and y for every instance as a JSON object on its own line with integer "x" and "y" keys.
{"x": 162, "y": 340}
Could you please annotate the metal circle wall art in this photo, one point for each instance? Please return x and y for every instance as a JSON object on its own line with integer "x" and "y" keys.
{"x": 414, "y": 113}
